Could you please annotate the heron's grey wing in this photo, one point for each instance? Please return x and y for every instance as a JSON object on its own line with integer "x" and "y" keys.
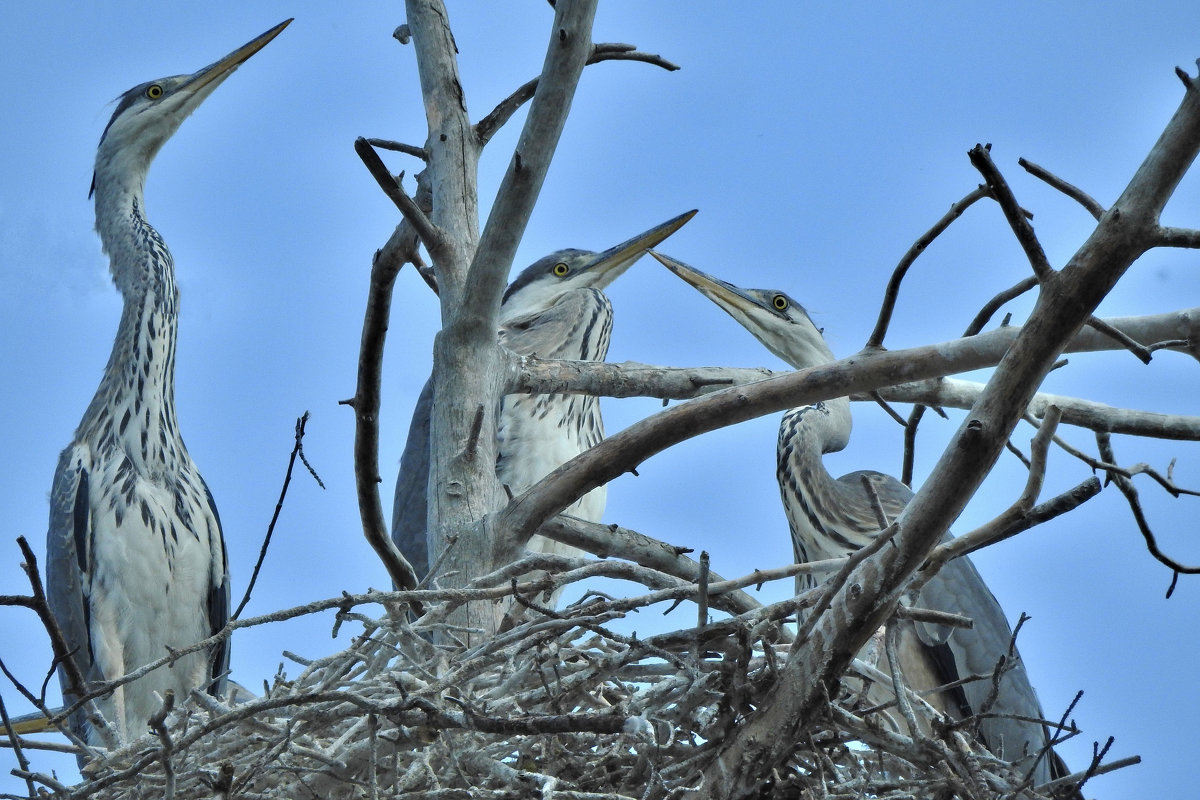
{"x": 68, "y": 562}
{"x": 218, "y": 599}
{"x": 409, "y": 509}
{"x": 959, "y": 589}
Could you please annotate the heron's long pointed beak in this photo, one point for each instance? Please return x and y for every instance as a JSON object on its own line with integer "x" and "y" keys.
{"x": 724, "y": 294}
{"x": 615, "y": 260}
{"x": 214, "y": 73}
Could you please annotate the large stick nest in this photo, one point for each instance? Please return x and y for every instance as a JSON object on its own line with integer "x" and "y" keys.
{"x": 559, "y": 704}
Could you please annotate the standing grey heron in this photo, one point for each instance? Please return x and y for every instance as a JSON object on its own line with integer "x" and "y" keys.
{"x": 136, "y": 563}
{"x": 834, "y": 518}
{"x": 556, "y": 309}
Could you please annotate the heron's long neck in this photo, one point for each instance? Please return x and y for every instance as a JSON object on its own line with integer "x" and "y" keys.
{"x": 134, "y": 408}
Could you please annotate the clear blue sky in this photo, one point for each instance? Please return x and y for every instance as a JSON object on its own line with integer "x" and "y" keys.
{"x": 818, "y": 143}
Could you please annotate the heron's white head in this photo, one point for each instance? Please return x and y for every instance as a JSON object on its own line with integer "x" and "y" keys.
{"x": 148, "y": 114}
{"x": 540, "y": 285}
{"x": 775, "y": 319}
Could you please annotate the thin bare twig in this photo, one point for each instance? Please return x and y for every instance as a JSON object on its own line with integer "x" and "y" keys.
{"x": 399, "y": 147}
{"x": 297, "y": 450}
{"x": 22, "y": 761}
{"x": 1133, "y": 346}
{"x": 429, "y": 233}
{"x": 1018, "y": 218}
{"x": 486, "y": 128}
{"x": 1125, "y": 484}
{"x": 1070, "y": 190}
{"x": 892, "y": 293}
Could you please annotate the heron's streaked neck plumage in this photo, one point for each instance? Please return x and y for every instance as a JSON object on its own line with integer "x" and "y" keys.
{"x": 829, "y": 430}
{"x": 134, "y": 407}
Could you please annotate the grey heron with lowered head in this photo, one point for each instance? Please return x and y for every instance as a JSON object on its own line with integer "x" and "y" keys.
{"x": 832, "y": 518}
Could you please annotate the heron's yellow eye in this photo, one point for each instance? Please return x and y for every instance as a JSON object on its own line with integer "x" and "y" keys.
{"x": 154, "y": 91}
{"x": 561, "y": 269}
{"x": 780, "y": 302}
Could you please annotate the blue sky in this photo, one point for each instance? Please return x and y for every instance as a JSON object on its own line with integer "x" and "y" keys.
{"x": 817, "y": 140}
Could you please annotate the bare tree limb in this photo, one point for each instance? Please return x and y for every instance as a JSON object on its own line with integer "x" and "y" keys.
{"x": 962, "y": 394}
{"x": 384, "y": 268}
{"x": 467, "y": 358}
{"x": 1178, "y": 237}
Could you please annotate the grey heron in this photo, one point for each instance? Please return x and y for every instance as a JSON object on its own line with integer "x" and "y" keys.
{"x": 555, "y": 309}
{"x": 136, "y": 563}
{"x": 834, "y": 518}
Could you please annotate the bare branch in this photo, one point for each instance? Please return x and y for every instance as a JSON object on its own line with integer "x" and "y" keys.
{"x": 568, "y": 51}
{"x": 1018, "y": 218}
{"x": 1100, "y": 326}
{"x": 1125, "y": 484}
{"x": 893, "y": 288}
{"x": 1188, "y": 238}
{"x": 992, "y": 306}
{"x": 399, "y": 147}
{"x": 384, "y": 268}
{"x": 1075, "y": 193}
{"x": 301, "y": 421}
{"x": 430, "y": 235}
{"x": 486, "y": 128}
{"x": 957, "y": 393}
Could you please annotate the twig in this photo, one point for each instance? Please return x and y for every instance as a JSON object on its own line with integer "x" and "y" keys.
{"x": 63, "y": 653}
{"x": 487, "y": 127}
{"x": 399, "y": 147}
{"x": 890, "y": 637}
{"x": 1074, "y": 192}
{"x": 702, "y": 598}
{"x": 893, "y": 288}
{"x": 1018, "y": 218}
{"x": 22, "y": 761}
{"x": 429, "y": 233}
{"x": 157, "y": 724}
{"x": 1126, "y": 341}
{"x": 1123, "y": 482}
{"x": 297, "y": 450}
{"x": 974, "y": 327}
{"x": 992, "y": 306}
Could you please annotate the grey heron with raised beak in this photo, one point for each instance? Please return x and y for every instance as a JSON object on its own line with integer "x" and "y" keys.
{"x": 136, "y": 564}
{"x": 833, "y": 518}
{"x": 554, "y": 309}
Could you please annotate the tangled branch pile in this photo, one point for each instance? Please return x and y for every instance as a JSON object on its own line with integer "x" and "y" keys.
{"x": 558, "y": 705}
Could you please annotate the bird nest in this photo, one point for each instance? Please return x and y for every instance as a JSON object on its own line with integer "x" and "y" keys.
{"x": 559, "y": 704}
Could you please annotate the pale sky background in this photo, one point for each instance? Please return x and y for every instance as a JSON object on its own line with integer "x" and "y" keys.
{"x": 817, "y": 140}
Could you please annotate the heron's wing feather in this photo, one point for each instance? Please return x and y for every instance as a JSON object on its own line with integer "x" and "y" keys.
{"x": 958, "y": 588}
{"x": 563, "y": 329}
{"x": 68, "y": 562}
{"x": 954, "y": 653}
{"x": 412, "y": 485}
{"x": 218, "y": 596}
